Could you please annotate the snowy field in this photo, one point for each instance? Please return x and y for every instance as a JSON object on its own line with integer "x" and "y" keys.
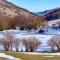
{"x": 43, "y": 37}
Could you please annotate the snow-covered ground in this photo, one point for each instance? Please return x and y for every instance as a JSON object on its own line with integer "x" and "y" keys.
{"x": 52, "y": 31}
{"x": 3, "y": 55}
{"x": 43, "y": 37}
{"x": 34, "y": 53}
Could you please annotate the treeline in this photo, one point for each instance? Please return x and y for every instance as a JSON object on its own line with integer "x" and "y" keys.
{"x": 23, "y": 21}
{"x": 9, "y": 41}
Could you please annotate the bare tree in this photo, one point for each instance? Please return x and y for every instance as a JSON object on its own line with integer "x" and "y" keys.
{"x": 17, "y": 44}
{"x": 7, "y": 41}
{"x": 31, "y": 44}
{"x": 54, "y": 42}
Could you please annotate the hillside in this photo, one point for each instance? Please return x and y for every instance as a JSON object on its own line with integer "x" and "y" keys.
{"x": 51, "y": 14}
{"x": 9, "y": 11}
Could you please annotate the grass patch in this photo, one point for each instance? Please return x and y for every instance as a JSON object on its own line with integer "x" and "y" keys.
{"x": 3, "y": 59}
{"x": 31, "y": 57}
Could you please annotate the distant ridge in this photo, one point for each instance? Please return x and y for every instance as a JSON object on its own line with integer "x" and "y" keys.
{"x": 51, "y": 14}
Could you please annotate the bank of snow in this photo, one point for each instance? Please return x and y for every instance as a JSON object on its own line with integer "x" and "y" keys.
{"x": 3, "y": 55}
{"x": 34, "y": 53}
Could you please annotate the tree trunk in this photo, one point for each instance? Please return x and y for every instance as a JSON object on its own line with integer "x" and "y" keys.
{"x": 31, "y": 49}
{"x": 6, "y": 47}
{"x": 26, "y": 50}
{"x": 17, "y": 49}
{"x": 58, "y": 49}
{"x": 11, "y": 47}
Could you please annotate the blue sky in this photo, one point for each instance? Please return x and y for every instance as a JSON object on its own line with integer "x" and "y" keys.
{"x": 37, "y": 5}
